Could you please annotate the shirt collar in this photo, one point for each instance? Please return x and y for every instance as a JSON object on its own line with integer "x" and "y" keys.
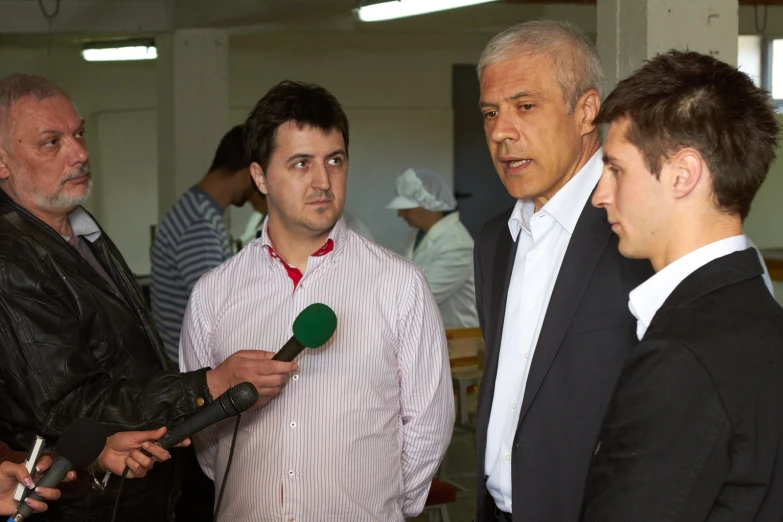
{"x": 566, "y": 206}
{"x": 339, "y": 234}
{"x": 203, "y": 194}
{"x": 83, "y": 225}
{"x": 442, "y": 226}
{"x": 645, "y": 300}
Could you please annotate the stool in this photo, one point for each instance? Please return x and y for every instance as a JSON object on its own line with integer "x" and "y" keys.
{"x": 440, "y": 495}
{"x": 465, "y": 382}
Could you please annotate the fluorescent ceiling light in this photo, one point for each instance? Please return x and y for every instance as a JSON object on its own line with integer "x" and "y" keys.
{"x": 402, "y": 8}
{"x": 121, "y": 51}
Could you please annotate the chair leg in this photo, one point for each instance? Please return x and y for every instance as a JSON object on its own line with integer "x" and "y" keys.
{"x": 444, "y": 514}
{"x": 432, "y": 515}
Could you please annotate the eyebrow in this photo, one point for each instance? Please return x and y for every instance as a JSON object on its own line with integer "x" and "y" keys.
{"x": 60, "y": 133}
{"x": 302, "y": 155}
{"x": 514, "y": 97}
{"x": 609, "y": 159}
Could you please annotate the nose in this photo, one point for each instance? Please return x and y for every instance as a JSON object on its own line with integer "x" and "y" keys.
{"x": 78, "y": 151}
{"x": 503, "y": 128}
{"x": 321, "y": 179}
{"x": 602, "y": 197}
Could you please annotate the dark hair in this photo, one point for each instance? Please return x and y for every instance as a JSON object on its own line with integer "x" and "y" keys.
{"x": 301, "y": 103}
{"x": 230, "y": 155}
{"x": 685, "y": 99}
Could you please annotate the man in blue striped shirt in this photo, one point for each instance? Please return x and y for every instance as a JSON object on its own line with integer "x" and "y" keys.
{"x": 192, "y": 239}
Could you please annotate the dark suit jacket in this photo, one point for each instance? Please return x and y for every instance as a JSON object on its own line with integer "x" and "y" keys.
{"x": 694, "y": 431}
{"x": 585, "y": 338}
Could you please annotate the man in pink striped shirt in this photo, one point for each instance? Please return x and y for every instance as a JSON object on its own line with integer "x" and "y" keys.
{"x": 361, "y": 427}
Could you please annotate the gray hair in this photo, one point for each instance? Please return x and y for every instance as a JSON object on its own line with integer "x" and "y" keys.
{"x": 17, "y": 86}
{"x": 574, "y": 57}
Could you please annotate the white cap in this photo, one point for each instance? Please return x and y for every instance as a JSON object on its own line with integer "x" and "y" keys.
{"x": 422, "y": 188}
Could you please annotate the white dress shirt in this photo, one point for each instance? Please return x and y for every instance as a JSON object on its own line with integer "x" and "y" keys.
{"x": 543, "y": 238}
{"x": 359, "y": 431}
{"x": 645, "y": 300}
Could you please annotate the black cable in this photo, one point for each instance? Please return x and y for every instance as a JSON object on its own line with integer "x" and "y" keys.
{"x": 54, "y": 13}
{"x": 228, "y": 467}
{"x": 119, "y": 494}
{"x": 222, "y": 486}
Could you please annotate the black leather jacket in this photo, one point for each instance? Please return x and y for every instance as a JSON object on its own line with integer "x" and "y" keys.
{"x": 71, "y": 347}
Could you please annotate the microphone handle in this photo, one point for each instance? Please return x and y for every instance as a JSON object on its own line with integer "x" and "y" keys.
{"x": 289, "y": 351}
{"x": 210, "y": 415}
{"x": 53, "y": 476}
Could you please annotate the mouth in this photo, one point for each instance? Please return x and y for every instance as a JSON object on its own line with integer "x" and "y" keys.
{"x": 514, "y": 165}
{"x": 78, "y": 180}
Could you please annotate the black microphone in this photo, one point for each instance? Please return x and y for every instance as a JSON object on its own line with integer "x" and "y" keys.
{"x": 78, "y": 446}
{"x": 312, "y": 328}
{"x": 231, "y": 403}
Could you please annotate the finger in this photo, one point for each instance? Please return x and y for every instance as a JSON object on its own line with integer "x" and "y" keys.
{"x": 155, "y": 451}
{"x": 274, "y": 367}
{"x": 253, "y": 354}
{"x": 156, "y": 434}
{"x": 141, "y": 458}
{"x": 36, "y": 505}
{"x": 136, "y": 470}
{"x": 70, "y": 476}
{"x": 48, "y": 493}
{"x": 23, "y": 477}
{"x": 183, "y": 444}
{"x": 43, "y": 464}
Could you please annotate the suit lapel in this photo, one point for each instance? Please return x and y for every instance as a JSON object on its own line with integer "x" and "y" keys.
{"x": 502, "y": 267}
{"x": 591, "y": 235}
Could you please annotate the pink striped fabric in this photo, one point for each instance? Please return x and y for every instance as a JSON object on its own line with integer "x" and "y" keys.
{"x": 359, "y": 432}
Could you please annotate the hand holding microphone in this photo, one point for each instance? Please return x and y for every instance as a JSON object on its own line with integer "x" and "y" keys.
{"x": 78, "y": 446}
{"x": 267, "y": 371}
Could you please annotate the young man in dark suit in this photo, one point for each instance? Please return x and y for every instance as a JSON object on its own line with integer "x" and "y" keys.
{"x": 694, "y": 431}
{"x": 551, "y": 287}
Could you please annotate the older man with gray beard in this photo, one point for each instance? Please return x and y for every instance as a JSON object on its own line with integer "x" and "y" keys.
{"x": 76, "y": 339}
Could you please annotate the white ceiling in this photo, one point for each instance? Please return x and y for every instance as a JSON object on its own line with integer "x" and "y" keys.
{"x": 90, "y": 18}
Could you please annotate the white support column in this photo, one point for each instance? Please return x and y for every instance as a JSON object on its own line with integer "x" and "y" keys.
{"x": 192, "y": 108}
{"x": 631, "y": 31}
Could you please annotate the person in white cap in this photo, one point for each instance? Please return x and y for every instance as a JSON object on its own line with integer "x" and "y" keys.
{"x": 443, "y": 247}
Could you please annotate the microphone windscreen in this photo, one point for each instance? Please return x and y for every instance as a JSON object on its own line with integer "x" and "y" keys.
{"x": 315, "y": 325}
{"x": 82, "y": 442}
{"x": 239, "y": 398}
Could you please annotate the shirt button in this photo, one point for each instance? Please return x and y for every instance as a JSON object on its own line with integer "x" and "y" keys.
{"x": 530, "y": 303}
{"x": 290, "y": 473}
{"x": 291, "y": 519}
{"x": 514, "y": 406}
{"x": 293, "y": 425}
{"x": 296, "y": 377}
{"x": 508, "y": 457}
{"x": 527, "y": 355}
{"x": 200, "y": 402}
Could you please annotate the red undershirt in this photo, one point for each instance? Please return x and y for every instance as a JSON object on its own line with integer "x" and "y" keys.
{"x": 294, "y": 272}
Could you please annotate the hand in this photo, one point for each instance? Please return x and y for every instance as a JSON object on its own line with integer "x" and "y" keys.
{"x": 11, "y": 474}
{"x": 124, "y": 449}
{"x": 255, "y": 367}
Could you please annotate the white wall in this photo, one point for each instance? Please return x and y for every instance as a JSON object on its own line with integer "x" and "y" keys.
{"x": 398, "y": 104}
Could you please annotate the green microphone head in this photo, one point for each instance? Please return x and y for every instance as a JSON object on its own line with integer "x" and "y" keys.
{"x": 315, "y": 325}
